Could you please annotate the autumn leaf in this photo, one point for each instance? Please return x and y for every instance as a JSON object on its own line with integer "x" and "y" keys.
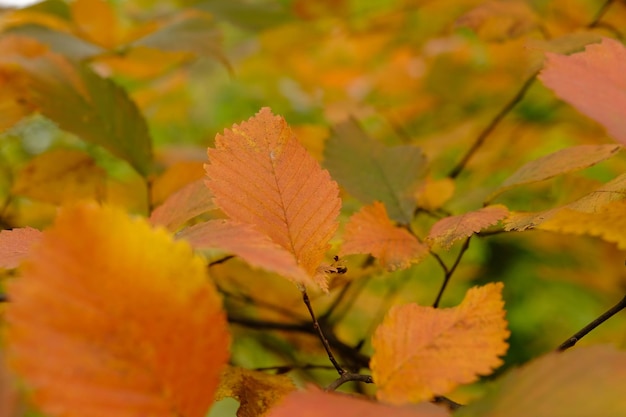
{"x": 371, "y": 231}
{"x": 566, "y": 160}
{"x": 15, "y": 245}
{"x": 316, "y": 403}
{"x": 261, "y": 175}
{"x": 188, "y": 202}
{"x": 132, "y": 325}
{"x": 257, "y": 392}
{"x": 60, "y": 176}
{"x": 422, "y": 351}
{"x": 95, "y": 20}
{"x": 372, "y": 172}
{"x": 593, "y": 82}
{"x": 243, "y": 240}
{"x": 499, "y": 21}
{"x": 450, "y": 229}
{"x": 559, "y": 384}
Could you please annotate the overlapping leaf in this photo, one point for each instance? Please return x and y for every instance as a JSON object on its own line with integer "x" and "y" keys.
{"x": 560, "y": 162}
{"x": 372, "y": 172}
{"x": 422, "y": 351}
{"x": 15, "y": 245}
{"x": 323, "y": 404}
{"x": 188, "y": 202}
{"x": 371, "y": 231}
{"x": 450, "y": 229}
{"x": 559, "y": 385}
{"x": 126, "y": 317}
{"x": 261, "y": 175}
{"x": 593, "y": 82}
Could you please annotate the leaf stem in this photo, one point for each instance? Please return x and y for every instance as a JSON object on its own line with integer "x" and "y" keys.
{"x": 595, "y": 323}
{"x": 348, "y": 377}
{"x": 449, "y": 272}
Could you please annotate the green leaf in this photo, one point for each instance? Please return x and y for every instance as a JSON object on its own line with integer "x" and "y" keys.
{"x": 62, "y": 43}
{"x": 248, "y": 15}
{"x": 559, "y": 385}
{"x": 372, "y": 172}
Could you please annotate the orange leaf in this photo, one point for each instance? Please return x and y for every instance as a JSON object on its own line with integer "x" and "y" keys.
{"x": 96, "y": 22}
{"x": 593, "y": 82}
{"x": 188, "y": 202}
{"x": 323, "y": 404}
{"x": 371, "y": 231}
{"x": 15, "y": 245}
{"x": 423, "y": 351}
{"x": 246, "y": 242}
{"x": 450, "y": 229}
{"x": 128, "y": 320}
{"x": 261, "y": 175}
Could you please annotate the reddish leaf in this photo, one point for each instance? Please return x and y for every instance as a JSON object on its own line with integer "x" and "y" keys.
{"x": 450, "y": 229}
{"x": 422, "y": 351}
{"x": 371, "y": 231}
{"x": 245, "y": 241}
{"x": 261, "y": 175}
{"x": 129, "y": 323}
{"x": 188, "y": 202}
{"x": 15, "y": 245}
{"x": 593, "y": 82}
{"x": 324, "y": 404}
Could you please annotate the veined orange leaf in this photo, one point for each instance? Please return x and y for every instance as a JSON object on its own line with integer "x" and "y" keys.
{"x": 112, "y": 317}
{"x": 559, "y": 385}
{"x": 188, "y": 202}
{"x": 423, "y": 351}
{"x": 560, "y": 162}
{"x": 256, "y": 391}
{"x": 323, "y": 404}
{"x": 261, "y": 175}
{"x": 15, "y": 245}
{"x": 450, "y": 229}
{"x": 243, "y": 240}
{"x": 371, "y": 231}
{"x": 593, "y": 82}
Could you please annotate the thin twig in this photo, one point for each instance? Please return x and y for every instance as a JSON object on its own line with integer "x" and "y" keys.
{"x": 316, "y": 326}
{"x": 348, "y": 377}
{"x": 221, "y": 260}
{"x": 493, "y": 124}
{"x": 283, "y": 369}
{"x": 600, "y": 14}
{"x": 452, "y": 405}
{"x": 338, "y": 299}
{"x": 582, "y": 332}
{"x": 449, "y": 272}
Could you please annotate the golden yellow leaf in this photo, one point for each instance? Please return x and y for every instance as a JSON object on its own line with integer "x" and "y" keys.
{"x": 60, "y": 176}
{"x": 435, "y": 193}
{"x": 261, "y": 175}
{"x": 609, "y": 223}
{"x": 371, "y": 231}
{"x": 422, "y": 351}
{"x": 257, "y": 392}
{"x": 111, "y": 316}
{"x": 450, "y": 229}
{"x": 96, "y": 21}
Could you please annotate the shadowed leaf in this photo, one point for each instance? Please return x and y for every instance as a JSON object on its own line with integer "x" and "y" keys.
{"x": 450, "y": 229}
{"x": 422, "y": 351}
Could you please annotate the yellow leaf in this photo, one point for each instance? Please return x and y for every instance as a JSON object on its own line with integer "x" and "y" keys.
{"x": 96, "y": 21}
{"x": 609, "y": 223}
{"x": 450, "y": 229}
{"x": 261, "y": 175}
{"x": 256, "y": 391}
{"x": 422, "y": 351}
{"x": 435, "y": 193}
{"x": 59, "y": 176}
{"x": 113, "y": 317}
{"x": 371, "y": 231}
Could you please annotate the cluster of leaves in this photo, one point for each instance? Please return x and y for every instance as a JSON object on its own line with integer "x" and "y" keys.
{"x": 144, "y": 277}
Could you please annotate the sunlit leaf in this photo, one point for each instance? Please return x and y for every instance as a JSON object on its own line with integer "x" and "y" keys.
{"x": 132, "y": 326}
{"x": 450, "y": 229}
{"x": 371, "y": 231}
{"x": 593, "y": 82}
{"x": 422, "y": 351}
{"x": 560, "y": 162}
{"x": 372, "y": 172}
{"x": 257, "y": 392}
{"x": 15, "y": 245}
{"x": 188, "y": 202}
{"x": 261, "y": 175}
{"x": 243, "y": 240}
{"x": 59, "y": 176}
{"x": 324, "y": 404}
{"x": 559, "y": 385}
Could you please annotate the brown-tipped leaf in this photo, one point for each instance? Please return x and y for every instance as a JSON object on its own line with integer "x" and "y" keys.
{"x": 450, "y": 229}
